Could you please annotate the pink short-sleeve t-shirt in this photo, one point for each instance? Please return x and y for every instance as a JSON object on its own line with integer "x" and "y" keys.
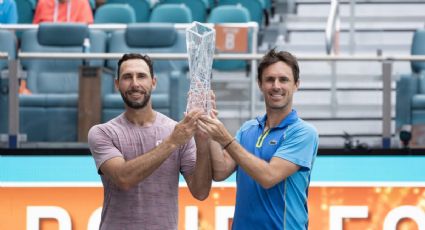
{"x": 152, "y": 204}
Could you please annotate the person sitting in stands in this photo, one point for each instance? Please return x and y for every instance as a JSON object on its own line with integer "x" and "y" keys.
{"x": 63, "y": 11}
{"x": 8, "y": 12}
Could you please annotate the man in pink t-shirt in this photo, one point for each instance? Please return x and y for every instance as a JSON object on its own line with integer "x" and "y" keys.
{"x": 63, "y": 11}
{"x": 140, "y": 153}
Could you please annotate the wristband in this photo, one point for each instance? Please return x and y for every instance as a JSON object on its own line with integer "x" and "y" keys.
{"x": 230, "y": 142}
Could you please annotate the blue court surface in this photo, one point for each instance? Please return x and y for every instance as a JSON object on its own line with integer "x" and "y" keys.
{"x": 19, "y": 169}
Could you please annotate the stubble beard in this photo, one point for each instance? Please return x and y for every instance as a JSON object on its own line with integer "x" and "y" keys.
{"x": 135, "y": 104}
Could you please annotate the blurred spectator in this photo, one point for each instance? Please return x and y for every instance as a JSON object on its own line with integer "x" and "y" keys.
{"x": 63, "y": 11}
{"x": 8, "y": 13}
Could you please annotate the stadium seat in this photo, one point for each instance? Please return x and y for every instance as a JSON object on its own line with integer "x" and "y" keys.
{"x": 254, "y": 7}
{"x": 211, "y": 4}
{"x": 142, "y": 8}
{"x": 268, "y": 10}
{"x": 25, "y": 10}
{"x": 49, "y": 113}
{"x": 92, "y": 4}
{"x": 115, "y": 13}
{"x": 198, "y": 8}
{"x": 267, "y": 4}
{"x": 169, "y": 97}
{"x": 7, "y": 45}
{"x": 410, "y": 88}
{"x": 172, "y": 13}
{"x": 229, "y": 14}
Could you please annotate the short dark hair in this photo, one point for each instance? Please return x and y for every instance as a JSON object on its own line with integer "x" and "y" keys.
{"x": 130, "y": 56}
{"x": 273, "y": 57}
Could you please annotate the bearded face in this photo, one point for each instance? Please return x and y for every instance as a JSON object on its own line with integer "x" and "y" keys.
{"x": 135, "y": 83}
{"x": 128, "y": 97}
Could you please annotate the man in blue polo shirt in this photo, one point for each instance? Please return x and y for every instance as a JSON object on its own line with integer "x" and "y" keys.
{"x": 272, "y": 155}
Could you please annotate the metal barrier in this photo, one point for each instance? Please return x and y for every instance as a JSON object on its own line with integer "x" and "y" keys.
{"x": 387, "y": 62}
{"x": 14, "y": 64}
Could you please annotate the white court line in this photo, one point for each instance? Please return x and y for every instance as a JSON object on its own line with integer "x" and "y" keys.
{"x": 51, "y": 184}
{"x": 366, "y": 184}
{"x": 225, "y": 184}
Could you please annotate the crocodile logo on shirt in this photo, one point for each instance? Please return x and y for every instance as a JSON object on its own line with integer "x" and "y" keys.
{"x": 273, "y": 142}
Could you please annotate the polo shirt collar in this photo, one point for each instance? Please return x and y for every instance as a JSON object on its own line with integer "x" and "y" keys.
{"x": 291, "y": 118}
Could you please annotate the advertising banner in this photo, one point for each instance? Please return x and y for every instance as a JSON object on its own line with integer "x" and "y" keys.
{"x": 331, "y": 207}
{"x": 66, "y": 194}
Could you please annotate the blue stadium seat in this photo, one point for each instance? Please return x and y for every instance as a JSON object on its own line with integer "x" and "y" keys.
{"x": 410, "y": 88}
{"x": 92, "y": 4}
{"x": 115, "y": 13}
{"x": 268, "y": 10}
{"x": 50, "y": 113}
{"x": 254, "y": 7}
{"x": 25, "y": 10}
{"x": 229, "y": 14}
{"x": 198, "y": 8}
{"x": 7, "y": 45}
{"x": 267, "y": 4}
{"x": 211, "y": 4}
{"x": 172, "y": 13}
{"x": 142, "y": 8}
{"x": 169, "y": 96}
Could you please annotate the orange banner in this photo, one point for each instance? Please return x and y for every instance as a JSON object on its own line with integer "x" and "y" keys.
{"x": 231, "y": 39}
{"x": 348, "y": 208}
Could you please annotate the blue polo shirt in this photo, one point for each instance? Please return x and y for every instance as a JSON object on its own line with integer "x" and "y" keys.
{"x": 283, "y": 206}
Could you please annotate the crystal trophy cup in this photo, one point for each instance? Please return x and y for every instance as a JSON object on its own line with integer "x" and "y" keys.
{"x": 200, "y": 41}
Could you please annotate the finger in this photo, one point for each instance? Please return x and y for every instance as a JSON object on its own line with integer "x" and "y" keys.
{"x": 196, "y": 110}
{"x": 201, "y": 123}
{"x": 211, "y": 120}
{"x": 212, "y": 95}
{"x": 214, "y": 113}
{"x": 207, "y": 120}
{"x": 198, "y": 114}
{"x": 202, "y": 128}
{"x": 192, "y": 115}
{"x": 187, "y": 117}
{"x": 213, "y": 105}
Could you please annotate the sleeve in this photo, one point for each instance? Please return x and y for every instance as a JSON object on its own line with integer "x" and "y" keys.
{"x": 101, "y": 146}
{"x": 244, "y": 127}
{"x": 299, "y": 146}
{"x": 188, "y": 158}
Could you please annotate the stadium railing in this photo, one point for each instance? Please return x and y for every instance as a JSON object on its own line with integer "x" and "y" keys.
{"x": 387, "y": 62}
{"x": 14, "y": 138}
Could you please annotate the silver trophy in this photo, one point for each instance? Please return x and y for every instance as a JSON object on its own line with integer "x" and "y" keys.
{"x": 200, "y": 41}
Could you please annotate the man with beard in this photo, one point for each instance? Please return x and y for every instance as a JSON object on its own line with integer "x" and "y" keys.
{"x": 140, "y": 153}
{"x": 272, "y": 155}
